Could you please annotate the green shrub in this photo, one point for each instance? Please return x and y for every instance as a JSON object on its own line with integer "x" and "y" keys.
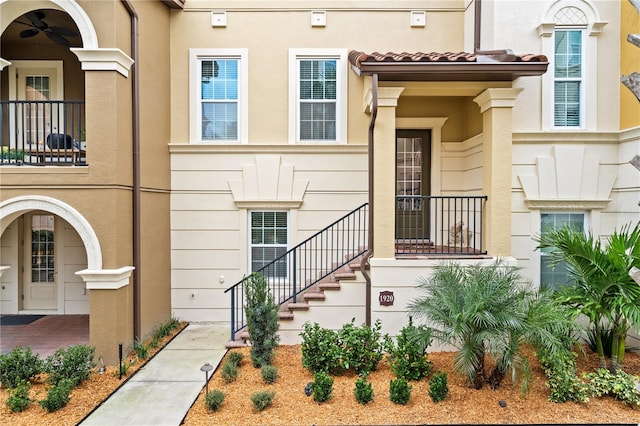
{"x": 262, "y": 400}
{"x": 322, "y": 386}
{"x": 74, "y": 363}
{"x": 19, "y": 365}
{"x": 167, "y": 328}
{"x": 408, "y": 357}
{"x": 438, "y": 389}
{"x": 362, "y": 347}
{"x": 58, "y": 395}
{"x": 124, "y": 367}
{"x": 154, "y": 342}
{"x": 320, "y": 349}
{"x": 399, "y": 391}
{"x": 606, "y": 337}
{"x": 620, "y": 385}
{"x": 363, "y": 390}
{"x": 18, "y": 399}
{"x": 214, "y": 400}
{"x": 262, "y": 320}
{"x": 229, "y": 372}
{"x": 269, "y": 373}
{"x": 141, "y": 349}
{"x": 562, "y": 380}
{"x": 235, "y": 358}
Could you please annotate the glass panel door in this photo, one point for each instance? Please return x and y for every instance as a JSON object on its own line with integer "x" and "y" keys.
{"x": 40, "y": 290}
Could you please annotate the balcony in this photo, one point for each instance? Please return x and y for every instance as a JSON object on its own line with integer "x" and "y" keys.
{"x": 42, "y": 133}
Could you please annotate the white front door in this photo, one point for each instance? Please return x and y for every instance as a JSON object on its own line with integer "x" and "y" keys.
{"x": 36, "y": 81}
{"x": 40, "y": 290}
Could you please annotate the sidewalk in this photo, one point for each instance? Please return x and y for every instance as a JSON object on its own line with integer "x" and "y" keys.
{"x": 162, "y": 391}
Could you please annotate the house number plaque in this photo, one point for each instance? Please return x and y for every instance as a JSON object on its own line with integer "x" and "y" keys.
{"x": 386, "y": 298}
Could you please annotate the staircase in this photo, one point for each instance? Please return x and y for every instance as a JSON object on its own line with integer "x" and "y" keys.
{"x": 319, "y": 278}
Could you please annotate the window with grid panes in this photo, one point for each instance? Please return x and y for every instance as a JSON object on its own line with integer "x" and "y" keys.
{"x": 317, "y": 99}
{"x": 269, "y": 240}
{"x": 568, "y": 78}
{"x": 219, "y": 99}
{"x": 559, "y": 276}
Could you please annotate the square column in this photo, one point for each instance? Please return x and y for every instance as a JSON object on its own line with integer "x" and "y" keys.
{"x": 496, "y": 106}
{"x": 384, "y": 172}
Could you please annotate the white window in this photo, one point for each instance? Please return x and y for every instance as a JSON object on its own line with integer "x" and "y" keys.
{"x": 559, "y": 276}
{"x": 570, "y": 30}
{"x": 568, "y": 78}
{"x": 318, "y": 95}
{"x": 269, "y": 240}
{"x": 218, "y": 89}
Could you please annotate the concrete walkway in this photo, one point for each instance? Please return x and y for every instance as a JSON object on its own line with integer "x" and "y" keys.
{"x": 162, "y": 391}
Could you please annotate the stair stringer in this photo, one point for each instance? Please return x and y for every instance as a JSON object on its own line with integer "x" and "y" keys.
{"x": 339, "y": 307}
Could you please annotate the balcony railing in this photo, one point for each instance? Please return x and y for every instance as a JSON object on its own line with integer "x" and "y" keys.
{"x": 439, "y": 225}
{"x": 42, "y": 133}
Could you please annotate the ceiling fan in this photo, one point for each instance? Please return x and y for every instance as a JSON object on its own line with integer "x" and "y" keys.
{"x": 57, "y": 34}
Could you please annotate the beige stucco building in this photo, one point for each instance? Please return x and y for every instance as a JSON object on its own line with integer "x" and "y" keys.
{"x": 214, "y": 136}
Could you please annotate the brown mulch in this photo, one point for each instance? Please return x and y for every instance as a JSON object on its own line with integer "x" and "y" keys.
{"x": 84, "y": 398}
{"x": 463, "y": 405}
{"x": 292, "y": 407}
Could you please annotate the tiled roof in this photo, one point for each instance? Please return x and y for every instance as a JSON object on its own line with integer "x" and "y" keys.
{"x": 356, "y": 57}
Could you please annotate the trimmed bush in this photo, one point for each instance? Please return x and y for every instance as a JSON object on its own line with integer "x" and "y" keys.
{"x": 235, "y": 358}
{"x": 438, "y": 388}
{"x": 363, "y": 390}
{"x": 19, "y": 365}
{"x": 262, "y": 400}
{"x": 73, "y": 363}
{"x": 322, "y": 386}
{"x": 214, "y": 400}
{"x": 229, "y": 372}
{"x": 362, "y": 347}
{"x": 58, "y": 395}
{"x": 269, "y": 373}
{"x": 399, "y": 391}
{"x": 408, "y": 357}
{"x": 18, "y": 399}
{"x": 320, "y": 349}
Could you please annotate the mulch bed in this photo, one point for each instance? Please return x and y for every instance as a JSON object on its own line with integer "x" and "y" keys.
{"x": 84, "y": 398}
{"x": 463, "y": 405}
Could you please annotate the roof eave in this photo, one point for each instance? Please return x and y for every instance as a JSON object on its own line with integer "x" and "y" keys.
{"x": 456, "y": 71}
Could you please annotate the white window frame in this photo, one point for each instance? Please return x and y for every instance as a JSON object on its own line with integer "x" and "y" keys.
{"x": 250, "y": 242}
{"x": 195, "y": 106}
{"x": 585, "y": 224}
{"x": 340, "y": 55}
{"x": 581, "y": 79}
{"x": 592, "y": 29}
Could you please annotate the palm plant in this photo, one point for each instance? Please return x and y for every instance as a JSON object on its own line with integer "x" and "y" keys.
{"x": 603, "y": 289}
{"x": 484, "y": 310}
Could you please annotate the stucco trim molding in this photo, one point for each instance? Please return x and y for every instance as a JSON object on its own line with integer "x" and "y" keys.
{"x": 568, "y": 179}
{"x": 268, "y": 183}
{"x": 4, "y": 63}
{"x": 12, "y": 208}
{"x": 106, "y": 279}
{"x": 105, "y": 59}
{"x": 567, "y": 204}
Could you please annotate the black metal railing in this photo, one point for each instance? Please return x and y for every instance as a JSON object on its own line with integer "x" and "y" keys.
{"x": 439, "y": 225}
{"x": 42, "y": 133}
{"x": 307, "y": 263}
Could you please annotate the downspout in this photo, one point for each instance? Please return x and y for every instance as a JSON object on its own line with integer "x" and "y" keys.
{"x": 477, "y": 18}
{"x": 135, "y": 106}
{"x": 364, "y": 264}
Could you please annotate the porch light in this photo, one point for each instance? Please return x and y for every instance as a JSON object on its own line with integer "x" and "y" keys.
{"x": 206, "y": 368}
